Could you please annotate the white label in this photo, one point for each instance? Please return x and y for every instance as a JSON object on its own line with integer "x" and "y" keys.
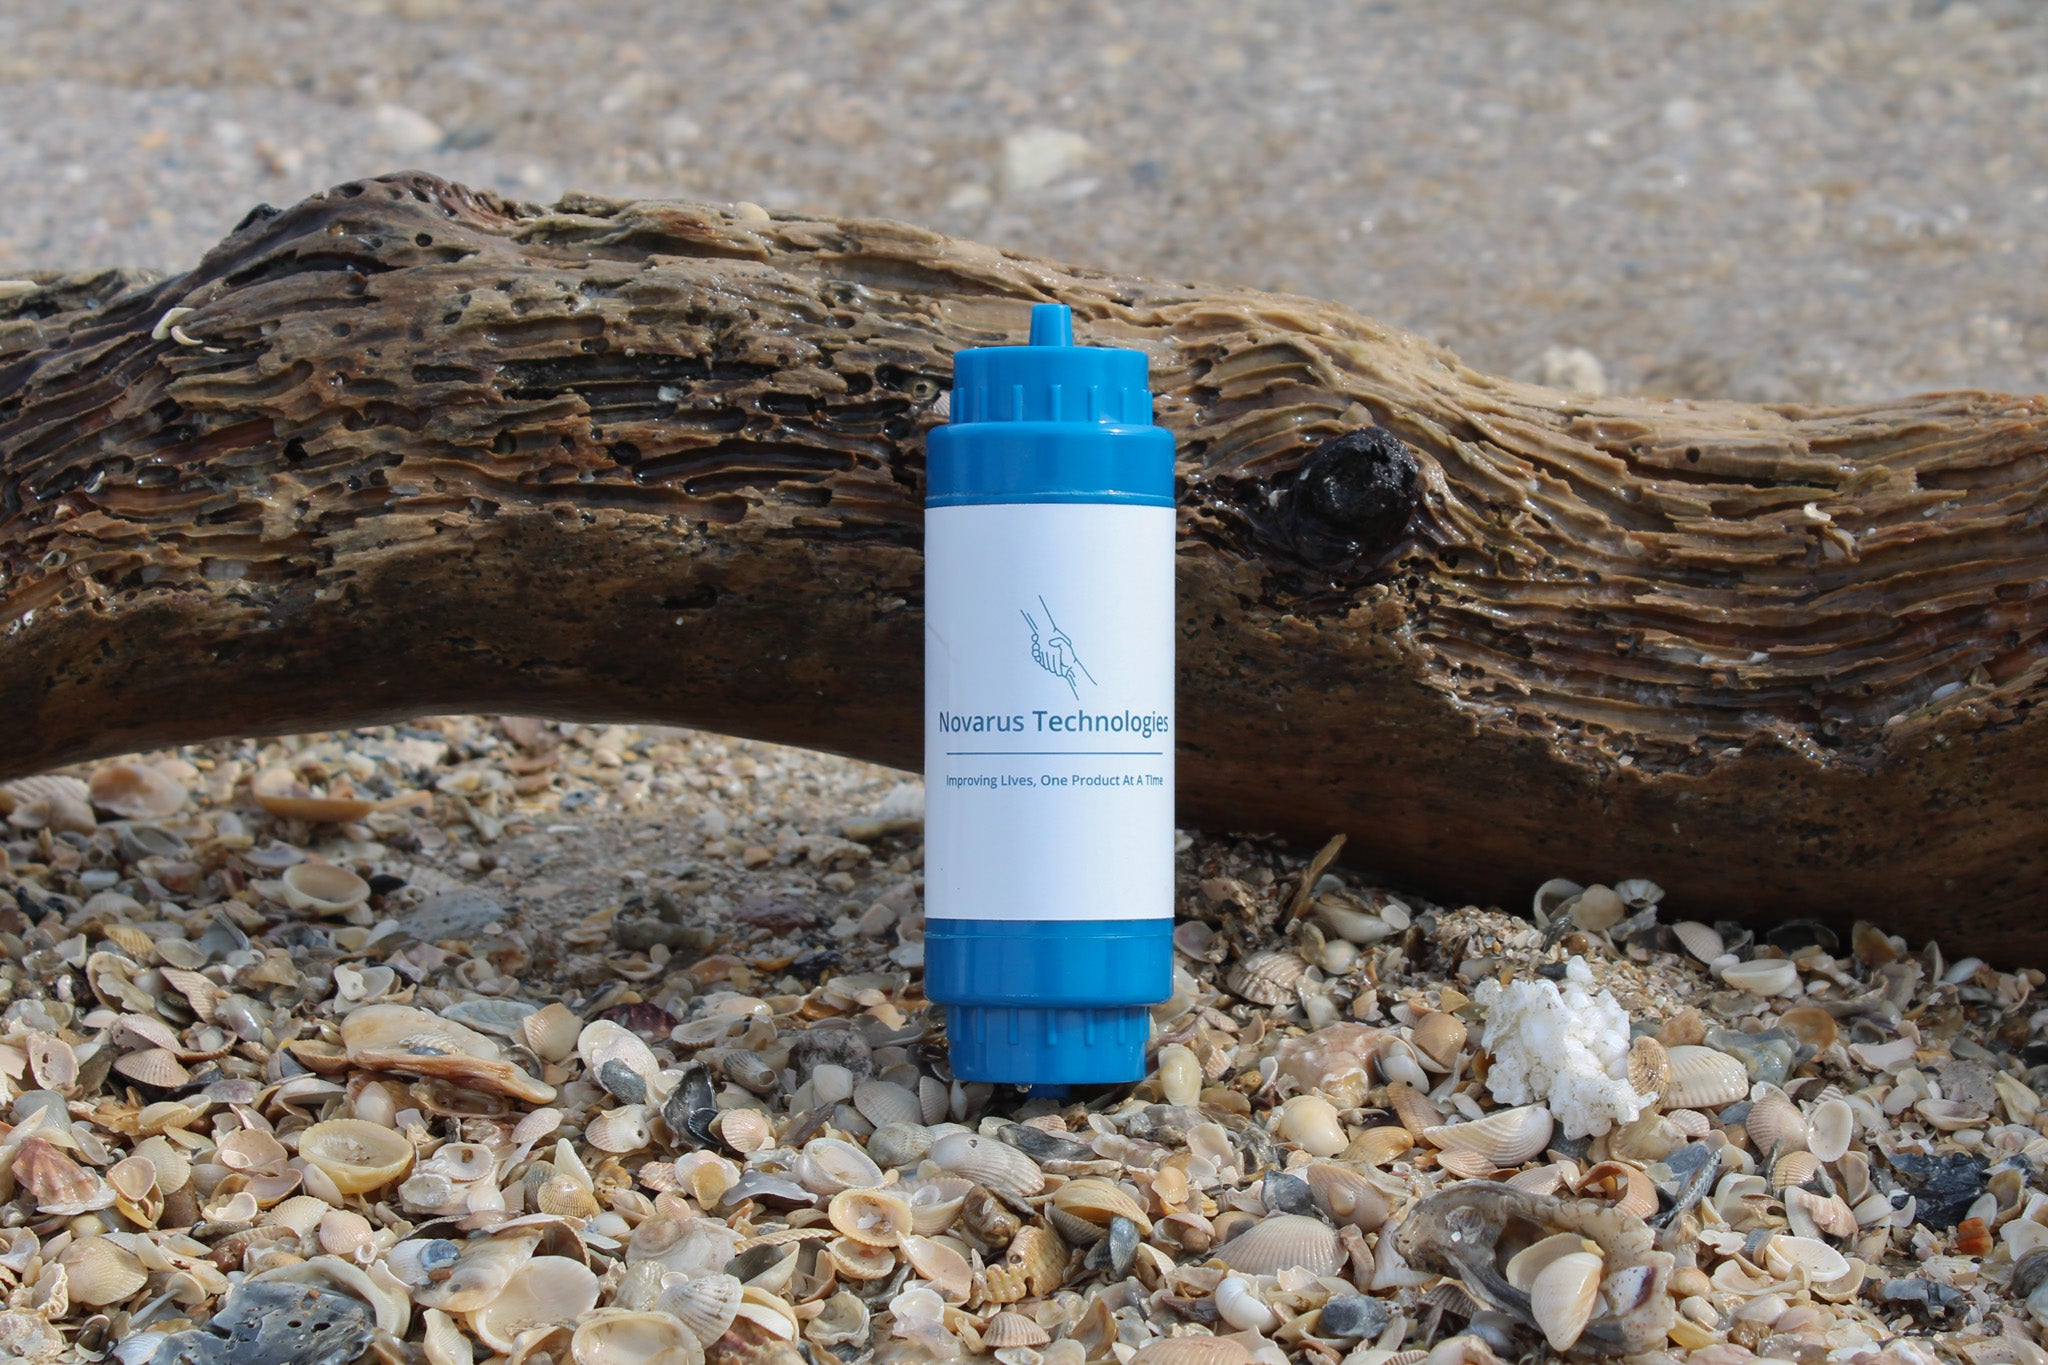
{"x": 1049, "y": 712}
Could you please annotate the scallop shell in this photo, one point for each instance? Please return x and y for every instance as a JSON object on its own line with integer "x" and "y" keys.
{"x": 746, "y": 1130}
{"x": 989, "y": 1161}
{"x": 874, "y": 1217}
{"x": 358, "y": 1156}
{"x": 323, "y": 888}
{"x": 1192, "y": 1350}
{"x": 59, "y": 1184}
{"x": 551, "y": 1032}
{"x": 1010, "y": 1328}
{"x": 1775, "y": 1122}
{"x": 1439, "y": 1036}
{"x": 899, "y": 1144}
{"x": 1096, "y": 1200}
{"x": 1268, "y": 977}
{"x": 1831, "y": 1127}
{"x": 1275, "y": 1244}
{"x": 136, "y": 791}
{"x": 616, "y": 1336}
{"x": 1649, "y": 1068}
{"x": 859, "y": 1261}
{"x": 1378, "y": 1146}
{"x": 624, "y": 1129}
{"x": 1346, "y": 1196}
{"x": 706, "y": 1304}
{"x": 1794, "y": 1168}
{"x": 156, "y": 1067}
{"x": 885, "y": 1102}
{"x": 24, "y": 791}
{"x": 1702, "y": 1078}
{"x": 1703, "y": 941}
{"x": 1562, "y": 1296}
{"x": 545, "y": 1291}
{"x": 98, "y": 1272}
{"x": 343, "y": 1232}
{"x": 1507, "y": 1137}
{"x": 1763, "y": 976}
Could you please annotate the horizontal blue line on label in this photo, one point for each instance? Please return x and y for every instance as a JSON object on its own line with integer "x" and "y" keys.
{"x": 1053, "y": 753}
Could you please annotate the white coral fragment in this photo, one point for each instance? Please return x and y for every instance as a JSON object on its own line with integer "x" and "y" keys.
{"x": 1567, "y": 1049}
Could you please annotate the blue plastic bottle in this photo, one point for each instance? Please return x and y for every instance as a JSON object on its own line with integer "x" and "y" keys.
{"x": 1049, "y": 726}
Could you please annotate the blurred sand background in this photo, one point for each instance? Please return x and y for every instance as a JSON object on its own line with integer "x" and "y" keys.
{"x": 1818, "y": 201}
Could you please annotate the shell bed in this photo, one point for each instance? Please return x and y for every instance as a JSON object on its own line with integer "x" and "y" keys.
{"x": 476, "y": 1040}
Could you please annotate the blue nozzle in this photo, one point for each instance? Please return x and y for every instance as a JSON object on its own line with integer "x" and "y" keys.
{"x": 1052, "y": 324}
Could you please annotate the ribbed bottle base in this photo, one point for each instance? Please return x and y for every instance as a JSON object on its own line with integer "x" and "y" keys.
{"x": 1019, "y": 1045}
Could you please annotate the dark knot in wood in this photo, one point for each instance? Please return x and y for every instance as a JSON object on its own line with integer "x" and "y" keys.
{"x": 1351, "y": 499}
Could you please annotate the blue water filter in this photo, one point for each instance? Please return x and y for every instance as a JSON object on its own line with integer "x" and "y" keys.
{"x": 1049, "y": 724}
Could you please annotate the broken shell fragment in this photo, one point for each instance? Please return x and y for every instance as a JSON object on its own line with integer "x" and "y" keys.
{"x": 358, "y": 1156}
{"x": 872, "y": 1217}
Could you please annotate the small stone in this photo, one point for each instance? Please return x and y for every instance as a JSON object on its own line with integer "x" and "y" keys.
{"x": 405, "y": 131}
{"x": 1354, "y": 1317}
{"x": 1571, "y": 367}
{"x": 876, "y": 920}
{"x": 1036, "y": 157}
{"x": 460, "y": 914}
{"x": 754, "y": 855}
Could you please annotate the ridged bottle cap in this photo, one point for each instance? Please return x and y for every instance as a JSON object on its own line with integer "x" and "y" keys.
{"x": 1051, "y": 379}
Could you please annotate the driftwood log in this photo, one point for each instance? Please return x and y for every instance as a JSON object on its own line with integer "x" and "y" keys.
{"x": 406, "y": 448}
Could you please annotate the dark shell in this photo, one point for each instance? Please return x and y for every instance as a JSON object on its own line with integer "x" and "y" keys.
{"x": 1354, "y": 1316}
{"x": 257, "y": 1324}
{"x": 1282, "y": 1193}
{"x": 1945, "y": 1186}
{"x": 651, "y": 1022}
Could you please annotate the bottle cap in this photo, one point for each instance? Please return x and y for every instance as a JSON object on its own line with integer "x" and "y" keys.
{"x": 1049, "y": 422}
{"x": 1048, "y": 1047}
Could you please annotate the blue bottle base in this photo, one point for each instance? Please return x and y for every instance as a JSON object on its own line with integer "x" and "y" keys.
{"x": 1048, "y": 1002}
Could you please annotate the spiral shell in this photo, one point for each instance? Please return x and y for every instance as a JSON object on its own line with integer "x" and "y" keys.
{"x": 1275, "y": 1244}
{"x": 1506, "y": 1137}
{"x": 356, "y": 1155}
{"x": 990, "y": 1162}
{"x": 873, "y": 1217}
{"x": 1268, "y": 977}
{"x": 1702, "y": 1078}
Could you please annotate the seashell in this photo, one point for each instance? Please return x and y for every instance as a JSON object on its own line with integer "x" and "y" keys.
{"x": 155, "y": 1067}
{"x": 251, "y": 1149}
{"x": 1034, "y": 1266}
{"x": 1775, "y": 1123}
{"x": 98, "y": 1272}
{"x": 1562, "y": 1296}
{"x": 746, "y": 1069}
{"x": 444, "y": 1342}
{"x": 277, "y": 791}
{"x": 1180, "y": 1076}
{"x": 1650, "y": 1138}
{"x": 1465, "y": 1165}
{"x": 706, "y": 1304}
{"x": 1010, "y": 1328}
{"x": 1825, "y": 1215}
{"x": 344, "y": 1232}
{"x": 1346, "y": 1196}
{"x": 899, "y": 1144}
{"x": 1507, "y": 1137}
{"x": 551, "y": 1032}
{"x": 1238, "y": 1304}
{"x": 1812, "y": 1261}
{"x": 1950, "y": 1116}
{"x": 24, "y": 791}
{"x": 565, "y": 1197}
{"x": 1275, "y": 1244}
{"x": 1831, "y": 1127}
{"x": 948, "y": 1271}
{"x": 842, "y": 1318}
{"x": 1525, "y": 1265}
{"x": 59, "y": 1184}
{"x": 1378, "y": 1146}
{"x": 1649, "y": 1068}
{"x": 617, "y": 1336}
{"x": 1268, "y": 977}
{"x": 1598, "y": 908}
{"x": 358, "y": 1156}
{"x": 415, "y": 1042}
{"x": 52, "y": 1062}
{"x": 625, "y": 1129}
{"x": 885, "y": 1102}
{"x": 746, "y": 1130}
{"x": 489, "y": 1014}
{"x": 936, "y": 1203}
{"x": 1439, "y": 1037}
{"x": 544, "y": 1291}
{"x": 1763, "y": 976}
{"x": 1702, "y": 1078}
{"x": 1701, "y": 940}
{"x": 323, "y": 888}
{"x": 1628, "y": 1189}
{"x": 132, "y": 1177}
{"x": 136, "y": 791}
{"x": 1811, "y": 1025}
{"x": 860, "y": 1261}
{"x": 874, "y": 1217}
{"x": 1192, "y": 1350}
{"x": 989, "y": 1162}
{"x": 1311, "y": 1123}
{"x": 1096, "y": 1201}
{"x": 829, "y": 1165}
{"x": 1793, "y": 1168}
